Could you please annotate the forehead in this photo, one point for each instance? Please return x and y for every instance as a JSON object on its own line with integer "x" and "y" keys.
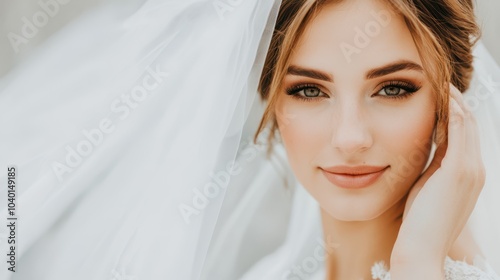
{"x": 354, "y": 36}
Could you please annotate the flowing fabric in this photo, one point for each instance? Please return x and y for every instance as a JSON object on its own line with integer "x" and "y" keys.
{"x": 123, "y": 128}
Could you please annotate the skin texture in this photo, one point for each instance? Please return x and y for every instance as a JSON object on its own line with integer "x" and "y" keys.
{"x": 355, "y": 125}
{"x": 351, "y": 121}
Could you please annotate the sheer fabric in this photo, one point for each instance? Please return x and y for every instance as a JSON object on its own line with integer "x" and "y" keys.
{"x": 123, "y": 128}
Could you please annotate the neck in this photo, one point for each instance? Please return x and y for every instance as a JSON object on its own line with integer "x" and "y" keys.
{"x": 354, "y": 246}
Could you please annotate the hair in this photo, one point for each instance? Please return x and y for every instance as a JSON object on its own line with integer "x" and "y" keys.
{"x": 444, "y": 33}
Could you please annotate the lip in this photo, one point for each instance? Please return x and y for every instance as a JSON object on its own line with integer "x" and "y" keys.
{"x": 353, "y": 177}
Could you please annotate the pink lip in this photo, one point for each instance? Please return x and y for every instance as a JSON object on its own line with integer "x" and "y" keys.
{"x": 354, "y": 177}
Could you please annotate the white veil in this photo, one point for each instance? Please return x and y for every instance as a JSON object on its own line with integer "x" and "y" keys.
{"x": 123, "y": 128}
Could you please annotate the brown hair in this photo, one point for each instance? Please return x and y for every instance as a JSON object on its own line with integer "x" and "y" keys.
{"x": 444, "y": 32}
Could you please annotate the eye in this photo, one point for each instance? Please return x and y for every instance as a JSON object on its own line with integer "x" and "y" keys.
{"x": 305, "y": 92}
{"x": 397, "y": 89}
{"x": 311, "y": 92}
{"x": 392, "y": 90}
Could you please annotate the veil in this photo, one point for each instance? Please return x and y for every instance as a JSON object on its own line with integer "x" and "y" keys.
{"x": 130, "y": 131}
{"x": 122, "y": 130}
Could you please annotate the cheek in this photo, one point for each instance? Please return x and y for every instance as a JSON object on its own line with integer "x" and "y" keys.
{"x": 304, "y": 128}
{"x": 401, "y": 138}
{"x": 406, "y": 138}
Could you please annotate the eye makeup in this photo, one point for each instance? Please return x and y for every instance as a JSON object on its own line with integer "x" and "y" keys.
{"x": 396, "y": 89}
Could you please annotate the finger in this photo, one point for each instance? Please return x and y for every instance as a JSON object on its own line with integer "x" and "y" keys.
{"x": 469, "y": 123}
{"x": 472, "y": 149}
{"x": 470, "y": 159}
{"x": 433, "y": 166}
{"x": 422, "y": 179}
{"x": 457, "y": 95}
{"x": 438, "y": 156}
{"x": 471, "y": 142}
{"x": 456, "y": 135}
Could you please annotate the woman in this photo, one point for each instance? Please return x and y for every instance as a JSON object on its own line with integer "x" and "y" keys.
{"x": 358, "y": 91}
{"x": 136, "y": 133}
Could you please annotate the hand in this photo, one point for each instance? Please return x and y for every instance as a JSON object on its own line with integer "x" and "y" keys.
{"x": 442, "y": 199}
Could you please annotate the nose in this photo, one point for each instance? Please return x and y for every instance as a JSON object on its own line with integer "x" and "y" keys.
{"x": 351, "y": 132}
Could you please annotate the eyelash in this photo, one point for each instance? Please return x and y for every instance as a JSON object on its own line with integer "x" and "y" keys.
{"x": 408, "y": 87}
{"x": 294, "y": 90}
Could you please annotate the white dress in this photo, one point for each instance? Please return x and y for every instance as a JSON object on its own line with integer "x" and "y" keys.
{"x": 454, "y": 270}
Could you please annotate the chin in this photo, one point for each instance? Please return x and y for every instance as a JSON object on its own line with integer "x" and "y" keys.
{"x": 359, "y": 208}
{"x": 353, "y": 212}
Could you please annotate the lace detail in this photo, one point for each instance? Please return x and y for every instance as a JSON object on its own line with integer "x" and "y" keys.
{"x": 380, "y": 272}
{"x": 454, "y": 270}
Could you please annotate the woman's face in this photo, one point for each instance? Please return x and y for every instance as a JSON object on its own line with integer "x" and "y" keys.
{"x": 355, "y": 96}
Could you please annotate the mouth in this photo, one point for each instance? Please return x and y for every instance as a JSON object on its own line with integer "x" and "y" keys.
{"x": 355, "y": 177}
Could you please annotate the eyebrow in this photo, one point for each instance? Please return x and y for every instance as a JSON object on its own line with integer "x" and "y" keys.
{"x": 311, "y": 73}
{"x": 390, "y": 68}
